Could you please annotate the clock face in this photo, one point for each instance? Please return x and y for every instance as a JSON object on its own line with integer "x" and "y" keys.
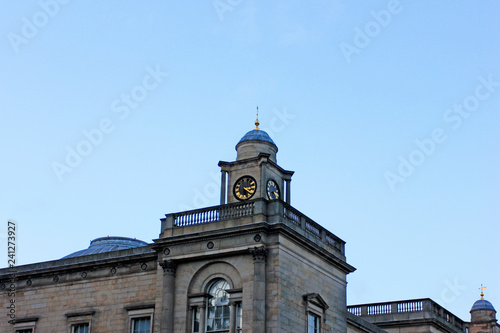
{"x": 245, "y": 188}
{"x": 273, "y": 190}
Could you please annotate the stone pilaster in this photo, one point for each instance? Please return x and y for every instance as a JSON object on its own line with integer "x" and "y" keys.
{"x": 167, "y": 311}
{"x": 259, "y": 289}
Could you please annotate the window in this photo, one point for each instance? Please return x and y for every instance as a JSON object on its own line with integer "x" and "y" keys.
{"x": 80, "y": 328}
{"x": 141, "y": 325}
{"x": 215, "y": 307}
{"x": 312, "y": 323}
{"x": 196, "y": 320}
{"x": 218, "y": 308}
{"x": 80, "y": 322}
{"x": 141, "y": 320}
{"x": 315, "y": 312}
{"x": 239, "y": 318}
{"x": 25, "y": 325}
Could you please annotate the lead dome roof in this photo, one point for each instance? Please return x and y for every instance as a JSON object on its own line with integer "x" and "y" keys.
{"x": 108, "y": 244}
{"x": 257, "y": 135}
{"x": 482, "y": 304}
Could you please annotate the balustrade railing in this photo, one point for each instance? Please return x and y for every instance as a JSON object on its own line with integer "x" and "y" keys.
{"x": 410, "y": 306}
{"x": 378, "y": 309}
{"x": 355, "y": 310}
{"x": 213, "y": 214}
{"x": 417, "y": 305}
{"x": 312, "y": 228}
{"x": 250, "y": 208}
{"x": 291, "y": 214}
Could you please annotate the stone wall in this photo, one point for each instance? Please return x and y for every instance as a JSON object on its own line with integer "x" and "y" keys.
{"x": 300, "y": 272}
{"x": 105, "y": 292}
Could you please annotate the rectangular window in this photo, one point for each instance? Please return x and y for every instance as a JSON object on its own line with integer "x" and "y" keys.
{"x": 80, "y": 322}
{"x": 312, "y": 323}
{"x": 239, "y": 318}
{"x": 196, "y": 320}
{"x": 141, "y": 325}
{"x": 315, "y": 312}
{"x": 25, "y": 326}
{"x": 80, "y": 328}
{"x": 140, "y": 320}
{"x": 218, "y": 318}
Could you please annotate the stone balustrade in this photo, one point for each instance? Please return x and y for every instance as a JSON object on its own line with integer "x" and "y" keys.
{"x": 271, "y": 211}
{"x": 312, "y": 228}
{"x": 392, "y": 311}
{"x": 213, "y": 214}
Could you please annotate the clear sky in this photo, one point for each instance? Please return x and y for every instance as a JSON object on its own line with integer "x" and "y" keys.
{"x": 115, "y": 113}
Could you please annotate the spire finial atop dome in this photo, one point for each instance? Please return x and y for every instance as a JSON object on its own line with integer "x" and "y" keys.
{"x": 482, "y": 288}
{"x": 257, "y": 123}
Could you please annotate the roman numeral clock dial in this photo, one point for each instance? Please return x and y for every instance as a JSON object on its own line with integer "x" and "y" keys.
{"x": 245, "y": 188}
{"x": 273, "y": 190}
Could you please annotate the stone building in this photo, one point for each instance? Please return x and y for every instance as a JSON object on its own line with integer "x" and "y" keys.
{"x": 420, "y": 316}
{"x": 483, "y": 317}
{"x": 252, "y": 264}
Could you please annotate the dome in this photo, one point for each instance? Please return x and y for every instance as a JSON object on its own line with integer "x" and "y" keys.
{"x": 108, "y": 244}
{"x": 482, "y": 304}
{"x": 257, "y": 135}
{"x": 254, "y": 143}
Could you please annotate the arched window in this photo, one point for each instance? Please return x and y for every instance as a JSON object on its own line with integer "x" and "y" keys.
{"x": 218, "y": 316}
{"x": 215, "y": 300}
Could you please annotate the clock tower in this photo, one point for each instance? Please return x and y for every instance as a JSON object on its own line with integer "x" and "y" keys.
{"x": 255, "y": 173}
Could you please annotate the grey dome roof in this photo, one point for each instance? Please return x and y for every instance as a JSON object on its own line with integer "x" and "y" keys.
{"x": 257, "y": 135}
{"x": 482, "y": 304}
{"x": 108, "y": 244}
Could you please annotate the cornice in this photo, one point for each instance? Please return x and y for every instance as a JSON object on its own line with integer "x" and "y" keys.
{"x": 62, "y": 266}
{"x": 251, "y": 228}
{"x": 261, "y": 156}
{"x": 419, "y": 322}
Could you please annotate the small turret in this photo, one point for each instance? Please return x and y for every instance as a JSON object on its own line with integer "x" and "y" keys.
{"x": 255, "y": 142}
{"x": 483, "y": 316}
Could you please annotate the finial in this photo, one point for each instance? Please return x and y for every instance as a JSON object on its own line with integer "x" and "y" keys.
{"x": 257, "y": 123}
{"x": 482, "y": 288}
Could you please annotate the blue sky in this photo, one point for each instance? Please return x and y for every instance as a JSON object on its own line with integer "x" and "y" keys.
{"x": 386, "y": 110}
